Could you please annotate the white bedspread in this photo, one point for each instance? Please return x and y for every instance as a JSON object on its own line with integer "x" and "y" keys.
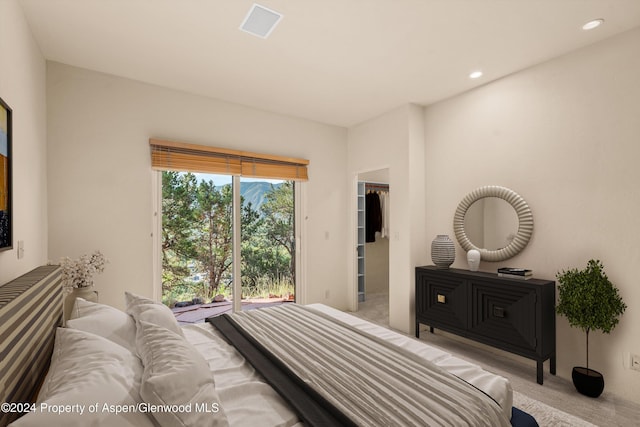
{"x": 245, "y": 398}
{"x": 248, "y": 401}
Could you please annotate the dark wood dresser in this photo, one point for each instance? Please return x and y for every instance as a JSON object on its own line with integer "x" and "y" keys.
{"x": 514, "y": 315}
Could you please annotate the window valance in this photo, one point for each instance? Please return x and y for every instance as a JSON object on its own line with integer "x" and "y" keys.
{"x": 182, "y": 156}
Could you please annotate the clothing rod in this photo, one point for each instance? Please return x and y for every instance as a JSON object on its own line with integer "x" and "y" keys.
{"x": 376, "y": 185}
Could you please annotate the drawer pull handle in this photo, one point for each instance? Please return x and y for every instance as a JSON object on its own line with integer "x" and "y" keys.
{"x": 442, "y": 299}
{"x": 499, "y": 312}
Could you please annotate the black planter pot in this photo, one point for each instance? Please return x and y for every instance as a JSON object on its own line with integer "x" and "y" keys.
{"x": 587, "y": 381}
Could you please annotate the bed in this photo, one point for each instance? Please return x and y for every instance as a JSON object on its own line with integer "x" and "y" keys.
{"x": 140, "y": 368}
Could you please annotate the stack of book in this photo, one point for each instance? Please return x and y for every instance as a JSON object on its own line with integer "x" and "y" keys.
{"x": 515, "y": 273}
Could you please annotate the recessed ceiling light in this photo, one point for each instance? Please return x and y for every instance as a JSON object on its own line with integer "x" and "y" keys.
{"x": 260, "y": 21}
{"x": 593, "y": 24}
{"x": 475, "y": 75}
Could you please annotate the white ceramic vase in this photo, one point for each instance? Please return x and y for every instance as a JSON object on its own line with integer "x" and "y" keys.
{"x": 473, "y": 258}
{"x": 86, "y": 293}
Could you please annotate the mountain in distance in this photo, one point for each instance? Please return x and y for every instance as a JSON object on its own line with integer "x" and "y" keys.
{"x": 255, "y": 192}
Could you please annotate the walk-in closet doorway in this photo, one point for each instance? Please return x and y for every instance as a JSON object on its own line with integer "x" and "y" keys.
{"x": 373, "y": 242}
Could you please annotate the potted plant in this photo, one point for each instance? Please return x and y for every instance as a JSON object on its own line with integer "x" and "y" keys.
{"x": 591, "y": 302}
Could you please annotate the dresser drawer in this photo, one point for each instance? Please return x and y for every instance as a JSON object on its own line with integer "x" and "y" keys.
{"x": 442, "y": 302}
{"x": 504, "y": 313}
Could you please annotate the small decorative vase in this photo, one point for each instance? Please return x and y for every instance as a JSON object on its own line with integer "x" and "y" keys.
{"x": 86, "y": 293}
{"x": 473, "y": 258}
{"x": 443, "y": 251}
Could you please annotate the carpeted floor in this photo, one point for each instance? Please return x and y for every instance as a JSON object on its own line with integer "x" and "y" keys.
{"x": 546, "y": 415}
{"x": 556, "y": 403}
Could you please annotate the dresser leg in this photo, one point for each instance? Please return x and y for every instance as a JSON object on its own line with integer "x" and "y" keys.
{"x": 418, "y": 329}
{"x": 552, "y": 365}
{"x": 539, "y": 373}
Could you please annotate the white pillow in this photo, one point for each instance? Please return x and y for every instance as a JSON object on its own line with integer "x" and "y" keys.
{"x": 175, "y": 373}
{"x": 86, "y": 370}
{"x": 132, "y": 300}
{"x": 104, "y": 320}
{"x": 147, "y": 310}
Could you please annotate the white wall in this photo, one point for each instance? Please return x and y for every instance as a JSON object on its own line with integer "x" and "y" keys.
{"x": 376, "y": 266}
{"x": 564, "y": 135}
{"x": 395, "y": 141}
{"x": 22, "y": 87}
{"x": 100, "y": 178}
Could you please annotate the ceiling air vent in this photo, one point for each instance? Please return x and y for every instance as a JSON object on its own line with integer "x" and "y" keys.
{"x": 260, "y": 21}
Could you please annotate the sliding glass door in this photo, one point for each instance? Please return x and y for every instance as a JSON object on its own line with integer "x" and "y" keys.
{"x": 268, "y": 239}
{"x": 227, "y": 241}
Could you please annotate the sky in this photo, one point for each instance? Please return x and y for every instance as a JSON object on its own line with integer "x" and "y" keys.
{"x": 226, "y": 179}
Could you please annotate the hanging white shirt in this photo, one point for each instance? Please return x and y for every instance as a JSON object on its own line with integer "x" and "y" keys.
{"x": 384, "y": 207}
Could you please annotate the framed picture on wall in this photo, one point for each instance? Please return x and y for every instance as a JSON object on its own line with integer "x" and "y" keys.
{"x": 6, "y": 217}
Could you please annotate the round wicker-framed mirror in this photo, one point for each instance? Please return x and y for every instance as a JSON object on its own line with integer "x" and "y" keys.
{"x": 517, "y": 240}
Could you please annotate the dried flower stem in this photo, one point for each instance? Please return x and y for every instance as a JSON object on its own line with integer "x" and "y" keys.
{"x": 79, "y": 273}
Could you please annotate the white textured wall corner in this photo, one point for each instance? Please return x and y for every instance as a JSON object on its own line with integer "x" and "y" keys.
{"x": 22, "y": 87}
{"x": 395, "y": 141}
{"x": 564, "y": 135}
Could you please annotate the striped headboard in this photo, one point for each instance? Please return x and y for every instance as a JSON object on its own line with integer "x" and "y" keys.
{"x": 30, "y": 312}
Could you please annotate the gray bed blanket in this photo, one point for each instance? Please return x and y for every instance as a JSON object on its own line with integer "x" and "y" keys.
{"x": 372, "y": 382}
